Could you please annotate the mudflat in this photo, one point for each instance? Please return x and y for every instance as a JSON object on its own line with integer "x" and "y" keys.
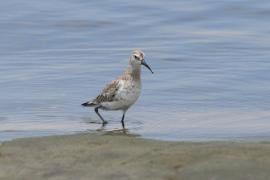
{"x": 119, "y": 156}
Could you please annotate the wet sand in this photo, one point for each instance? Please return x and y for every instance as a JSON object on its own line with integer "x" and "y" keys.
{"x": 117, "y": 156}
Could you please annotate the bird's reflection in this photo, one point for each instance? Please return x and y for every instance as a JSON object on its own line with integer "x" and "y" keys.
{"x": 104, "y": 130}
{"x": 121, "y": 131}
{"x": 103, "y": 125}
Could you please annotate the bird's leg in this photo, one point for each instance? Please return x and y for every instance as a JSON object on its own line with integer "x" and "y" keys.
{"x": 122, "y": 121}
{"x": 103, "y": 121}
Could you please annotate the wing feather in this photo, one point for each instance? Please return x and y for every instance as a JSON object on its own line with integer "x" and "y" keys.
{"x": 107, "y": 94}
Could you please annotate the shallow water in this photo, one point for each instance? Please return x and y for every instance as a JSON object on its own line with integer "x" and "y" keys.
{"x": 211, "y": 63}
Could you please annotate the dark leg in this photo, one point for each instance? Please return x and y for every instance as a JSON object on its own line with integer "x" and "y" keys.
{"x": 103, "y": 121}
{"x": 122, "y": 121}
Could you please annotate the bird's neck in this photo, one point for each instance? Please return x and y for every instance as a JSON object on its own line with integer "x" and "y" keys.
{"x": 133, "y": 72}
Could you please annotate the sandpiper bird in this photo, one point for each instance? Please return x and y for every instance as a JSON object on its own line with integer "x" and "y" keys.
{"x": 123, "y": 92}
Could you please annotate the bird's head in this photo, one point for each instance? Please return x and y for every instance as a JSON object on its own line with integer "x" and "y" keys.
{"x": 137, "y": 59}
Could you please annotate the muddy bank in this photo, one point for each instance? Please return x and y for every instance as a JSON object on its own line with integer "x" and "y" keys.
{"x": 116, "y": 156}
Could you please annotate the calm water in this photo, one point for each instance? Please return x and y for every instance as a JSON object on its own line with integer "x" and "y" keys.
{"x": 211, "y": 61}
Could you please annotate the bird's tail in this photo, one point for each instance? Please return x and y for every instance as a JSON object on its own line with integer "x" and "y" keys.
{"x": 88, "y": 104}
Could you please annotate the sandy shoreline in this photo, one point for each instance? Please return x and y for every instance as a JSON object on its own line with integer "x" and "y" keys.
{"x": 115, "y": 156}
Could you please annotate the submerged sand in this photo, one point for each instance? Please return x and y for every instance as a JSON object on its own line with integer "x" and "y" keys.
{"x": 117, "y": 156}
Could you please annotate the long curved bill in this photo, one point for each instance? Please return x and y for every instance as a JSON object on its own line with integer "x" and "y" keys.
{"x": 146, "y": 65}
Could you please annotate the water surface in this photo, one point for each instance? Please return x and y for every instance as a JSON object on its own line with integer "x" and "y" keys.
{"x": 211, "y": 63}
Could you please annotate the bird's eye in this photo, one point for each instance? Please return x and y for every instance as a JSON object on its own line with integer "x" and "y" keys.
{"x": 136, "y": 57}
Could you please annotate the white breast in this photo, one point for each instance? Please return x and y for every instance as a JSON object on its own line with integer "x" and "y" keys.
{"x": 127, "y": 94}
